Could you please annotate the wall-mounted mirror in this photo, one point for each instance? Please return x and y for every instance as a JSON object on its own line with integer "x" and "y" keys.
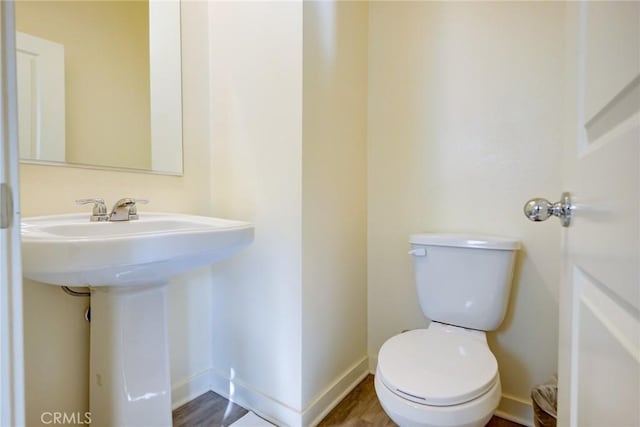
{"x": 99, "y": 83}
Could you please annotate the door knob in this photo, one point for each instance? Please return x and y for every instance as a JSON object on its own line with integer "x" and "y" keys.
{"x": 541, "y": 209}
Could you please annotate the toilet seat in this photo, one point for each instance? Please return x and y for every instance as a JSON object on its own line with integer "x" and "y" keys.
{"x": 438, "y": 366}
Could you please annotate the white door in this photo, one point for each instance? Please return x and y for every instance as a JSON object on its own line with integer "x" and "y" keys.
{"x": 599, "y": 348}
{"x": 41, "y": 105}
{"x": 11, "y": 356}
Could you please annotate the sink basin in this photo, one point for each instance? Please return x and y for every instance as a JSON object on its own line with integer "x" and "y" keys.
{"x": 71, "y": 250}
{"x": 127, "y": 266}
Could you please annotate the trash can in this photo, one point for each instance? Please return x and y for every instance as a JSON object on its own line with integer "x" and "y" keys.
{"x": 545, "y": 404}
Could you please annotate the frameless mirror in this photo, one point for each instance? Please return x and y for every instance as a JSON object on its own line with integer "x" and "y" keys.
{"x": 99, "y": 83}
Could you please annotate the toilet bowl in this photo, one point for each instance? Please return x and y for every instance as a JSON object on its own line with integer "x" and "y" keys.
{"x": 440, "y": 376}
{"x": 446, "y": 375}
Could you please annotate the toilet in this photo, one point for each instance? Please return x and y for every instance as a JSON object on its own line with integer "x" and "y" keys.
{"x": 446, "y": 374}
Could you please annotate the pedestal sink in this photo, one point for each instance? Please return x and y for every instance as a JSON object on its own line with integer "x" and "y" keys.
{"x": 127, "y": 266}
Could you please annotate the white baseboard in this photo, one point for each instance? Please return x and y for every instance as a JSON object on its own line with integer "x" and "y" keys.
{"x": 511, "y": 408}
{"x": 515, "y": 409}
{"x": 279, "y": 413}
{"x": 332, "y": 395}
{"x": 187, "y": 390}
{"x": 272, "y": 410}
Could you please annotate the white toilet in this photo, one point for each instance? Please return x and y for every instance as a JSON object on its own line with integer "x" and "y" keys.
{"x": 446, "y": 375}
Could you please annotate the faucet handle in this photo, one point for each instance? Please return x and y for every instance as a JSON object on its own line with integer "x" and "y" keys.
{"x": 133, "y": 210}
{"x": 99, "y": 209}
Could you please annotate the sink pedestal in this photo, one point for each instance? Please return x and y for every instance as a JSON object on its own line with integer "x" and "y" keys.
{"x": 129, "y": 358}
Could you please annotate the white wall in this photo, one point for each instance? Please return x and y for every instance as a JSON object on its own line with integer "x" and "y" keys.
{"x": 289, "y": 133}
{"x": 164, "y": 77}
{"x": 256, "y": 162}
{"x": 56, "y": 335}
{"x": 334, "y": 305}
{"x": 464, "y": 126}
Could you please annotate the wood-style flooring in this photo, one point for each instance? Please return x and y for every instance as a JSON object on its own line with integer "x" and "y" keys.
{"x": 359, "y": 409}
{"x": 208, "y": 410}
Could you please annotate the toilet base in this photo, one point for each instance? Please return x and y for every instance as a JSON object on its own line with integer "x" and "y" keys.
{"x": 405, "y": 413}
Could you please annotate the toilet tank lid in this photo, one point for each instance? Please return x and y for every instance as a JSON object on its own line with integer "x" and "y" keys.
{"x": 465, "y": 241}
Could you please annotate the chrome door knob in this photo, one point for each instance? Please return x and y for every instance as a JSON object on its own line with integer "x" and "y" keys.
{"x": 541, "y": 209}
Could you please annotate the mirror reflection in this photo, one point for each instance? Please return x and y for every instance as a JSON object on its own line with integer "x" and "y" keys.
{"x": 99, "y": 83}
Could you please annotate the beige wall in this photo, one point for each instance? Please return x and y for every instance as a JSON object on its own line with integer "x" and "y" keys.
{"x": 464, "y": 126}
{"x": 107, "y": 103}
{"x": 56, "y": 335}
{"x": 256, "y": 163}
{"x": 289, "y": 135}
{"x": 334, "y": 182}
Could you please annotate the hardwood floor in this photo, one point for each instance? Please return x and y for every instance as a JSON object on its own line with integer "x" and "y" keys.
{"x": 208, "y": 410}
{"x": 359, "y": 409}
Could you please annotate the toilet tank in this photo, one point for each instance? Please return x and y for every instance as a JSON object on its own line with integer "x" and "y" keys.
{"x": 464, "y": 280}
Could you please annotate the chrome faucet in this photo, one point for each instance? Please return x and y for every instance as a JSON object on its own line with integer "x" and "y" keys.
{"x": 125, "y": 209}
